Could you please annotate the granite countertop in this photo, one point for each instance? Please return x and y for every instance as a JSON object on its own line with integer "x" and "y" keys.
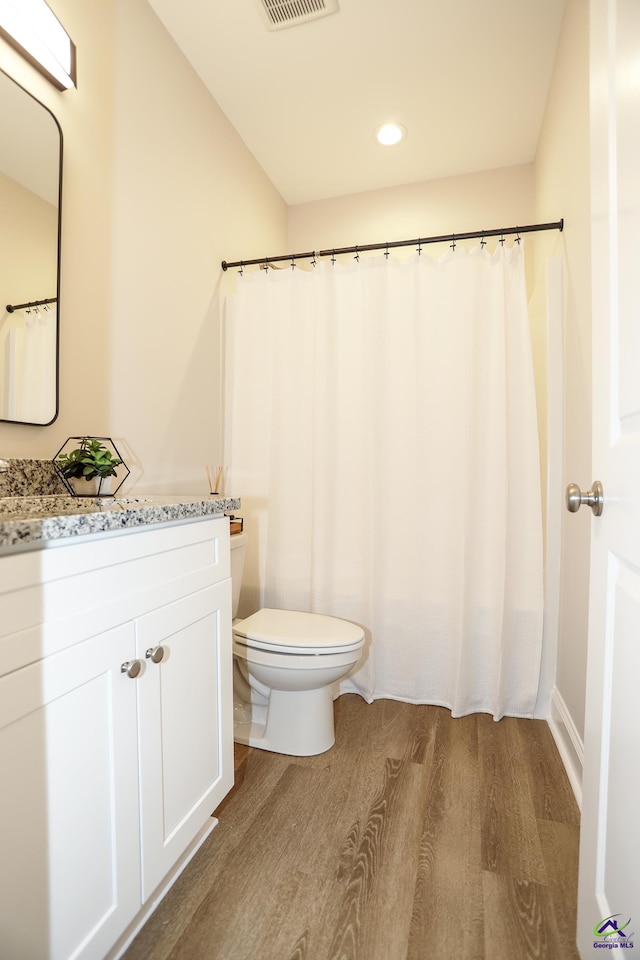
{"x": 38, "y": 520}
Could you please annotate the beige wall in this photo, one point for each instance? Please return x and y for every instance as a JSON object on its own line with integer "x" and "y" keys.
{"x": 562, "y": 188}
{"x": 496, "y": 198}
{"x": 157, "y": 190}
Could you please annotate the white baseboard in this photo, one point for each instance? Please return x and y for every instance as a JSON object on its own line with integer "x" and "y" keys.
{"x": 568, "y": 742}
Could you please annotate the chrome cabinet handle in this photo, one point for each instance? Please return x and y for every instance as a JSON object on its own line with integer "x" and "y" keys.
{"x": 155, "y": 654}
{"x": 132, "y": 668}
{"x": 593, "y": 498}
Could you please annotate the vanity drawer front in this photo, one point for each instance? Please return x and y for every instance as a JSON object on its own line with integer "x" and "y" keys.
{"x": 53, "y": 598}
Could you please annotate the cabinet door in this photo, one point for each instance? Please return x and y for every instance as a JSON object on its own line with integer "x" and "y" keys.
{"x": 185, "y": 724}
{"x": 69, "y": 842}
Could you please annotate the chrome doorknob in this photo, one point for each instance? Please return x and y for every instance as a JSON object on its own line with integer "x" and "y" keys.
{"x": 593, "y": 498}
{"x": 132, "y": 668}
{"x": 155, "y": 654}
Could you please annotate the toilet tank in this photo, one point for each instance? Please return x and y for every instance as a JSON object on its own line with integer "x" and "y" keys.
{"x": 238, "y": 543}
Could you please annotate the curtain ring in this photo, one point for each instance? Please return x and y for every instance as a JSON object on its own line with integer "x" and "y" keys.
{"x": 313, "y": 259}
{"x": 357, "y": 256}
{"x": 483, "y": 242}
{"x": 333, "y": 256}
{"x": 419, "y": 248}
{"x": 293, "y": 263}
{"x": 502, "y": 239}
{"x": 386, "y": 251}
{"x": 518, "y": 234}
{"x": 241, "y": 270}
{"x": 453, "y": 243}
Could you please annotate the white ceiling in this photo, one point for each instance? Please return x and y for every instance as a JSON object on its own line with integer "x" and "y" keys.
{"x": 467, "y": 78}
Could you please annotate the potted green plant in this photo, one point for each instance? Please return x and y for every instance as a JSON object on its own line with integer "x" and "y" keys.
{"x": 89, "y": 467}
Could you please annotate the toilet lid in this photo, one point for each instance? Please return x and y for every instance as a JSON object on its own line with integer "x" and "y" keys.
{"x": 291, "y": 631}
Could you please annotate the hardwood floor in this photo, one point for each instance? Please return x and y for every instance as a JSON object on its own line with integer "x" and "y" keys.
{"x": 417, "y": 837}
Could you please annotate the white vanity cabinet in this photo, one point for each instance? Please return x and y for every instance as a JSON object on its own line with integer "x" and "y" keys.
{"x": 109, "y": 775}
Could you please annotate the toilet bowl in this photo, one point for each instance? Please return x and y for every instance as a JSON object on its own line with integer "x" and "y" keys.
{"x": 284, "y": 665}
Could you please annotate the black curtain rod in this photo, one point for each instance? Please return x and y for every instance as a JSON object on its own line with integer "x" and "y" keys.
{"x": 420, "y": 241}
{"x": 10, "y": 307}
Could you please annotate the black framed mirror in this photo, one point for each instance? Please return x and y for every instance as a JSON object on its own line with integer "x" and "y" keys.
{"x": 30, "y": 203}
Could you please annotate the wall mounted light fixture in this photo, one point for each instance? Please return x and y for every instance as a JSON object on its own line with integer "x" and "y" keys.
{"x": 34, "y": 30}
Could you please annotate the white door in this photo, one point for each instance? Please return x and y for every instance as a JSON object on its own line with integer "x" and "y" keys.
{"x": 185, "y": 724}
{"x": 69, "y": 840}
{"x": 609, "y": 883}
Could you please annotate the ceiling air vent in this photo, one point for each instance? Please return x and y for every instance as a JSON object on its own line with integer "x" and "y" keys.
{"x": 279, "y": 14}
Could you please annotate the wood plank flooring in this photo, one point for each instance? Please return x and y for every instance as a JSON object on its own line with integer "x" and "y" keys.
{"x": 417, "y": 837}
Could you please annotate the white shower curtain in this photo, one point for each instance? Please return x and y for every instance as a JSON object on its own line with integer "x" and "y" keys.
{"x": 28, "y": 360}
{"x": 381, "y": 431}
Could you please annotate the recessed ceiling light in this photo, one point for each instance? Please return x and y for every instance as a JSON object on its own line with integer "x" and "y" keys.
{"x": 390, "y": 133}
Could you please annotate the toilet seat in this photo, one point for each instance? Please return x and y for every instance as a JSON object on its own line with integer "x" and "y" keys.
{"x": 295, "y": 632}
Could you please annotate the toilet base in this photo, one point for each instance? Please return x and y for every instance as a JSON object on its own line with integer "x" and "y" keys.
{"x": 298, "y": 723}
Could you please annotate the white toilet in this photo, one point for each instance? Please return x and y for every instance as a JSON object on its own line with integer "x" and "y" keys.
{"x": 284, "y": 663}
